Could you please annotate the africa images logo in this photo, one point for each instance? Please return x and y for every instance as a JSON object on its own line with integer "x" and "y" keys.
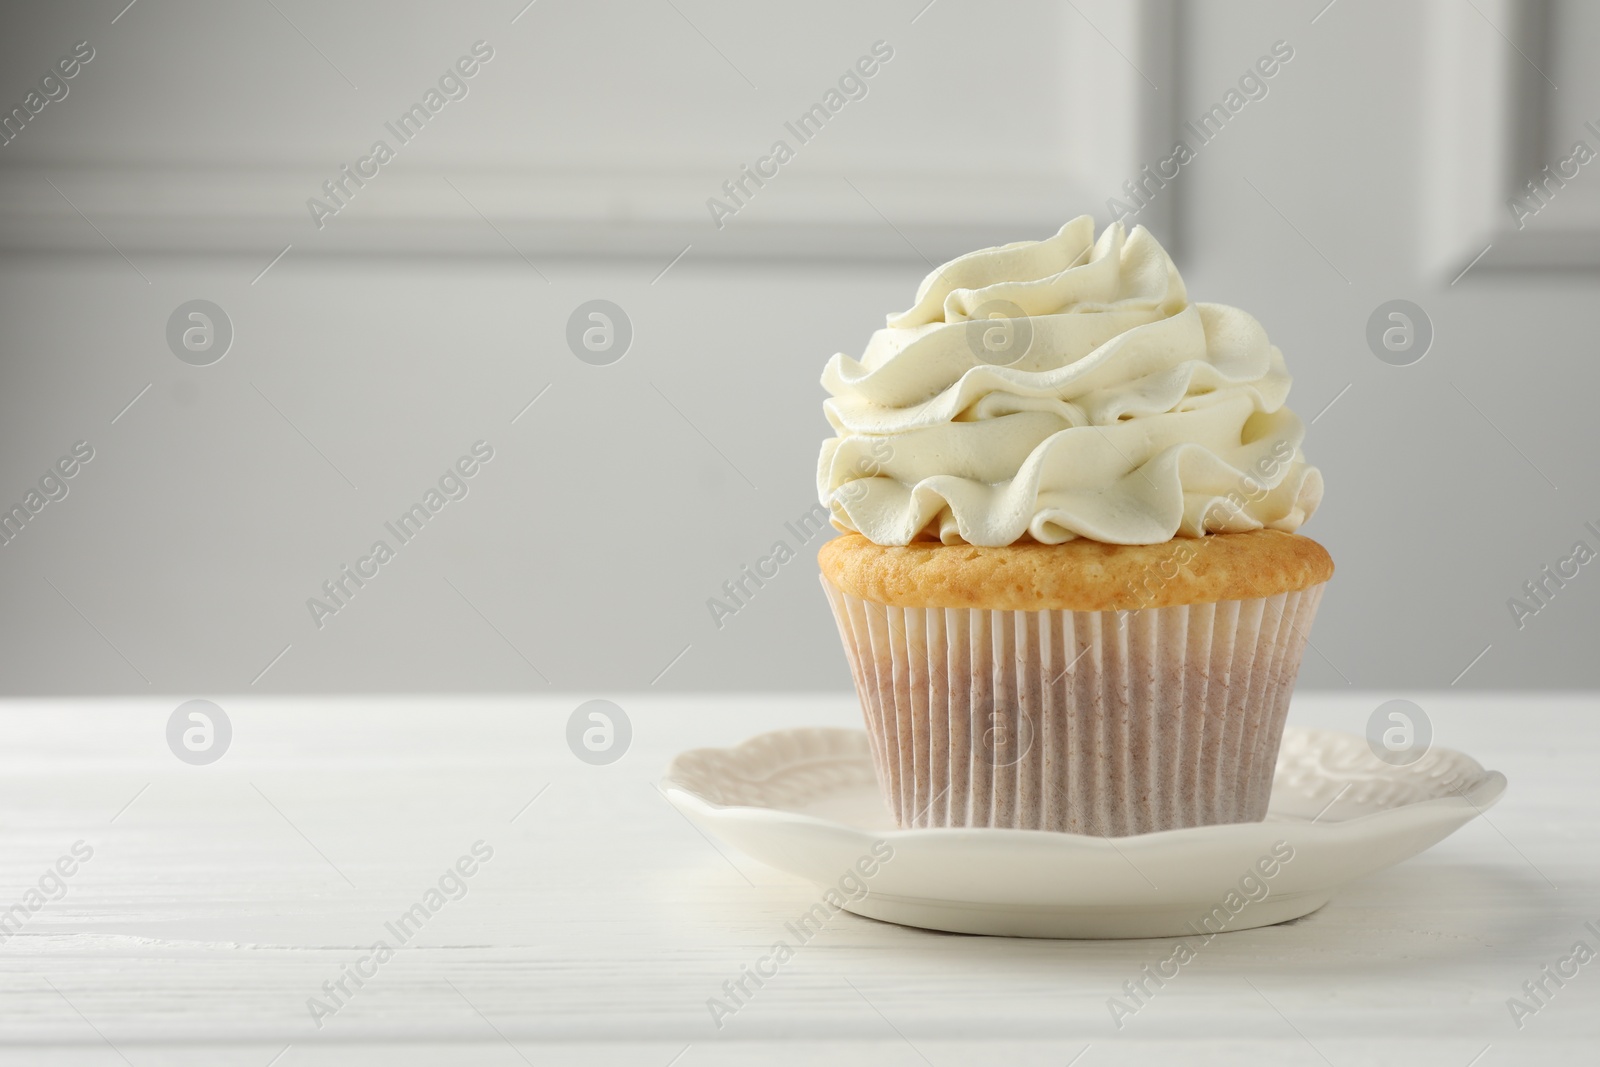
{"x": 405, "y": 128}
{"x": 453, "y": 485}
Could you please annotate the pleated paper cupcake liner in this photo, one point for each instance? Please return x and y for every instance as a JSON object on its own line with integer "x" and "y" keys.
{"x": 1104, "y": 723}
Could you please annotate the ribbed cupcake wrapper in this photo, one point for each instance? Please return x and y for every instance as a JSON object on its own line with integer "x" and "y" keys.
{"x": 1103, "y": 723}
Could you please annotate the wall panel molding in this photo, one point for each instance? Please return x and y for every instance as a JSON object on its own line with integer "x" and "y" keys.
{"x": 1489, "y": 116}
{"x": 827, "y": 209}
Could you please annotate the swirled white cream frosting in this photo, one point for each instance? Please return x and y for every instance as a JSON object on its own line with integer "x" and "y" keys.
{"x": 1063, "y": 388}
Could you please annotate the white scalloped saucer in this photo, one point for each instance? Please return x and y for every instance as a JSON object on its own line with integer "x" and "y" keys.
{"x": 806, "y": 801}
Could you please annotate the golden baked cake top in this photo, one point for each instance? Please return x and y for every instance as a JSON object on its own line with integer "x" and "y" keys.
{"x": 1079, "y": 575}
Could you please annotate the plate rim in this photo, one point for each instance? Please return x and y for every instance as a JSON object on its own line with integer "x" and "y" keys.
{"x": 1483, "y": 795}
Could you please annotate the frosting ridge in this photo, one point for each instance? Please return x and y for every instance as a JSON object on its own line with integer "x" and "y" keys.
{"x": 1063, "y": 388}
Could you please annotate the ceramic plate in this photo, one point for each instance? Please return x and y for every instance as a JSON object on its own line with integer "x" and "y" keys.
{"x": 806, "y": 801}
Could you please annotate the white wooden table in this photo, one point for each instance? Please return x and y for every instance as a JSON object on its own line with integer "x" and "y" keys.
{"x": 219, "y": 898}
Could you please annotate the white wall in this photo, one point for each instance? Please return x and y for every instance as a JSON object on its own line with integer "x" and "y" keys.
{"x": 383, "y": 345}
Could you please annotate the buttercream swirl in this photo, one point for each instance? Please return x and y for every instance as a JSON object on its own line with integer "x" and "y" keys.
{"x": 1063, "y": 388}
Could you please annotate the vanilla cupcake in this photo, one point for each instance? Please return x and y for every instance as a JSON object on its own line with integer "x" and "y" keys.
{"x": 1070, "y": 587}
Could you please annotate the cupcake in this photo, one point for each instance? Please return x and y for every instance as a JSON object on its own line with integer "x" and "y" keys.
{"x": 1069, "y": 580}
